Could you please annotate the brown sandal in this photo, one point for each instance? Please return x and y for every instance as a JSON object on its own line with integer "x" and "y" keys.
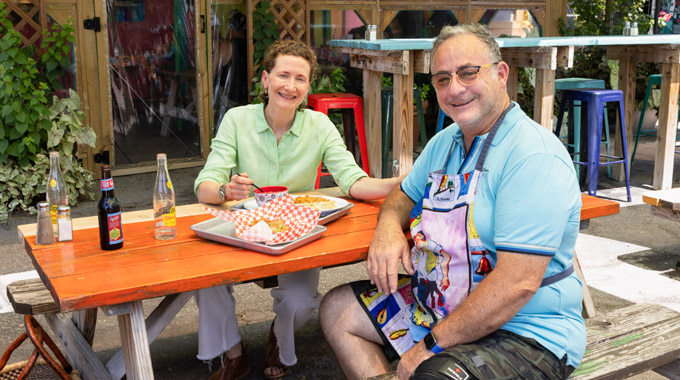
{"x": 233, "y": 369}
{"x": 272, "y": 358}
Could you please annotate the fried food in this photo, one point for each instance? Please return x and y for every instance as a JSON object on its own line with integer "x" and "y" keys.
{"x": 309, "y": 199}
{"x": 277, "y": 225}
{"x": 316, "y": 203}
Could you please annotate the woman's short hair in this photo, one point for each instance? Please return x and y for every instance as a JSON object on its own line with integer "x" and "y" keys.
{"x": 288, "y": 47}
{"x": 478, "y": 30}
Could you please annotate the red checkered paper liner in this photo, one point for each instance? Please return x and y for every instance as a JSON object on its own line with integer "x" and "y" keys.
{"x": 299, "y": 219}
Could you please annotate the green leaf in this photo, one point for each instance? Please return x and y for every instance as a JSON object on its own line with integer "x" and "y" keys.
{"x": 86, "y": 136}
{"x": 3, "y": 145}
{"x": 21, "y": 127}
{"x": 54, "y": 137}
{"x": 6, "y": 110}
{"x": 52, "y": 65}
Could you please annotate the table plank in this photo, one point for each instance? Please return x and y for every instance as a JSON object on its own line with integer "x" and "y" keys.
{"x": 594, "y": 207}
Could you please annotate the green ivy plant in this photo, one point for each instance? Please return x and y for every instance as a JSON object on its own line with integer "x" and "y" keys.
{"x": 24, "y": 106}
{"x": 32, "y": 122}
{"x": 21, "y": 187}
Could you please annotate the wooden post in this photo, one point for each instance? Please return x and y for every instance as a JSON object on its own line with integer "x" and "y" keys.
{"x": 665, "y": 138}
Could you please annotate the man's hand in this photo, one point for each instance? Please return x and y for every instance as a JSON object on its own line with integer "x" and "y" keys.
{"x": 239, "y": 186}
{"x": 388, "y": 246}
{"x": 411, "y": 359}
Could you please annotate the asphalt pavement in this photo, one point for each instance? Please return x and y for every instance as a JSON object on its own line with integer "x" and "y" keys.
{"x": 635, "y": 239}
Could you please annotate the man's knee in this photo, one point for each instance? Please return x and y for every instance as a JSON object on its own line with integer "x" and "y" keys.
{"x": 332, "y": 305}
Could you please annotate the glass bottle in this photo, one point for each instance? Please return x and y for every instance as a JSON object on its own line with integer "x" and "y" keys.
{"x": 626, "y": 29}
{"x": 57, "y": 193}
{"x": 164, "y": 202}
{"x": 634, "y": 29}
{"x": 108, "y": 210}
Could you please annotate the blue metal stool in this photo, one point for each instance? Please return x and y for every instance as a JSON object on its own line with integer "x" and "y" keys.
{"x": 596, "y": 102}
{"x": 574, "y": 124}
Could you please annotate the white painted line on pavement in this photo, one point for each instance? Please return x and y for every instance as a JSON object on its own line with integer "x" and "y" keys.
{"x": 604, "y": 271}
{"x": 5, "y": 306}
{"x": 620, "y": 195}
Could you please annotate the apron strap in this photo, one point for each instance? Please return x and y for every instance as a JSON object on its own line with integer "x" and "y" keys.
{"x": 557, "y": 276}
{"x": 489, "y": 138}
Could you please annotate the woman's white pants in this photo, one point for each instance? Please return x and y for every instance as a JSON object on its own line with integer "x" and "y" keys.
{"x": 294, "y": 301}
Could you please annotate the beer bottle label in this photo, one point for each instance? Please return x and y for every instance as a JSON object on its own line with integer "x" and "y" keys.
{"x": 170, "y": 219}
{"x": 106, "y": 184}
{"x": 115, "y": 230}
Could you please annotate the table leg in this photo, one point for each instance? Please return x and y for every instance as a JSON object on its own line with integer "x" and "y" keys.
{"x": 86, "y": 321}
{"x": 402, "y": 129}
{"x": 77, "y": 349}
{"x": 133, "y": 338}
{"x": 544, "y": 97}
{"x": 668, "y": 122}
{"x": 158, "y": 320}
{"x": 372, "y": 121}
{"x": 588, "y": 305}
{"x": 627, "y": 69}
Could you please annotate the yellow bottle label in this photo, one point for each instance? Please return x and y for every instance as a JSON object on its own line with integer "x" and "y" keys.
{"x": 53, "y": 182}
{"x": 53, "y": 213}
{"x": 169, "y": 184}
{"x": 170, "y": 219}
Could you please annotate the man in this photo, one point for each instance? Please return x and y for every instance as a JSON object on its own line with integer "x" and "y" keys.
{"x": 493, "y": 205}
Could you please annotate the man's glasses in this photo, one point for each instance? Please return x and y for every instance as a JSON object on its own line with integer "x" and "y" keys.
{"x": 466, "y": 75}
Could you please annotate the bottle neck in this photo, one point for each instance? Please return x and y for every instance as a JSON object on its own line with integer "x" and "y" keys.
{"x": 106, "y": 184}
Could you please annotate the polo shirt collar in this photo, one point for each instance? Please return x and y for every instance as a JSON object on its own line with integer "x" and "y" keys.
{"x": 511, "y": 118}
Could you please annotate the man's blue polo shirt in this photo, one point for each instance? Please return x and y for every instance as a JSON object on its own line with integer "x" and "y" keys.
{"x": 528, "y": 201}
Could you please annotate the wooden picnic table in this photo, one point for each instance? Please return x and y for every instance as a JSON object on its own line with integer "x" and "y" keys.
{"x": 81, "y": 277}
{"x": 665, "y": 203}
{"x": 405, "y": 56}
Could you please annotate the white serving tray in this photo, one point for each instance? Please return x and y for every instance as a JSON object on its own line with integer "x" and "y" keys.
{"x": 223, "y": 231}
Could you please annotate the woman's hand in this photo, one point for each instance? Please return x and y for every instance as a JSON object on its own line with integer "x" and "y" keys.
{"x": 239, "y": 186}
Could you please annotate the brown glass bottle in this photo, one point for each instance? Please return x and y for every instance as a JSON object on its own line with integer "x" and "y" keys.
{"x": 108, "y": 210}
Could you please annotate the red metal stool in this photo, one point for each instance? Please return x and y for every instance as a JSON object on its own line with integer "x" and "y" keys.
{"x": 324, "y": 102}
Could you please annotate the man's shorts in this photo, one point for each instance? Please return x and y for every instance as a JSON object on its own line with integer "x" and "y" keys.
{"x": 500, "y": 355}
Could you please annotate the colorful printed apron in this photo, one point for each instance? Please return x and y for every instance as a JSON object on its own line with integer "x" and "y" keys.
{"x": 448, "y": 257}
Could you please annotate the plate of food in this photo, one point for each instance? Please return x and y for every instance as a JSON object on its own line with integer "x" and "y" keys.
{"x": 325, "y": 204}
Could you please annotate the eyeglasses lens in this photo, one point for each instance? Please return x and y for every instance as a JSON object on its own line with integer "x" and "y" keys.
{"x": 466, "y": 77}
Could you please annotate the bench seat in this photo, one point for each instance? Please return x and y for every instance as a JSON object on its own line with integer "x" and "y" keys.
{"x": 626, "y": 342}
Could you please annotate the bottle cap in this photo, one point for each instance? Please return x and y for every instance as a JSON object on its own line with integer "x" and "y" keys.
{"x": 43, "y": 205}
{"x": 63, "y": 209}
{"x": 52, "y": 154}
{"x": 161, "y": 155}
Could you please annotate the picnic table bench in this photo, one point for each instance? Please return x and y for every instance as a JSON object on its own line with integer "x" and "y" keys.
{"x": 626, "y": 342}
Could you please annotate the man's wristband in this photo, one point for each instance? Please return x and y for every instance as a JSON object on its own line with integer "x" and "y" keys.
{"x": 431, "y": 343}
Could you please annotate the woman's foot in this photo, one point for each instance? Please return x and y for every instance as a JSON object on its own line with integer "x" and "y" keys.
{"x": 273, "y": 368}
{"x": 234, "y": 365}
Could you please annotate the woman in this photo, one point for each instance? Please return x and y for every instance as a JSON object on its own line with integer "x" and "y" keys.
{"x": 273, "y": 143}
